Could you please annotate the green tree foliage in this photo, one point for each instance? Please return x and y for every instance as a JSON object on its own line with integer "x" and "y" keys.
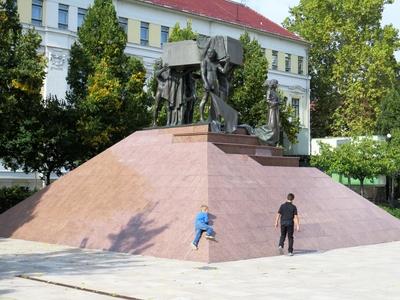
{"x": 290, "y": 123}
{"x": 325, "y": 160}
{"x": 389, "y": 119}
{"x": 21, "y": 72}
{"x": 248, "y": 94}
{"x": 391, "y": 162}
{"x": 182, "y": 34}
{"x": 351, "y": 62}
{"x": 34, "y": 133}
{"x": 360, "y": 158}
{"x": 45, "y": 143}
{"x": 106, "y": 85}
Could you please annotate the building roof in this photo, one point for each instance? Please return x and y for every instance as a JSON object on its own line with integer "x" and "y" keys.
{"x": 227, "y": 11}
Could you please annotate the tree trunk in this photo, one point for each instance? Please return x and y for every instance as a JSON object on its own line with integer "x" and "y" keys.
{"x": 362, "y": 187}
{"x": 387, "y": 189}
{"x": 392, "y": 181}
{"x": 48, "y": 178}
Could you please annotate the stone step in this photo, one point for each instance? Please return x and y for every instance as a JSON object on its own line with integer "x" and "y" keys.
{"x": 241, "y": 130}
{"x": 215, "y": 138}
{"x": 182, "y": 129}
{"x": 280, "y": 161}
{"x": 251, "y": 150}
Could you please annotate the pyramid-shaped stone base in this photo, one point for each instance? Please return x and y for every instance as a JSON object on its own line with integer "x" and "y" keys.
{"x": 141, "y": 195}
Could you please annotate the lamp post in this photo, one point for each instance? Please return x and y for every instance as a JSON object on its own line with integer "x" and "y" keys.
{"x": 391, "y": 196}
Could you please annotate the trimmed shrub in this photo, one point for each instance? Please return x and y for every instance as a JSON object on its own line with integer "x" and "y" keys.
{"x": 10, "y": 196}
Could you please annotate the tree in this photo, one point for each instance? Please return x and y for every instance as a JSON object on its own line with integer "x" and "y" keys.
{"x": 351, "y": 62}
{"x": 360, "y": 158}
{"x": 21, "y": 71}
{"x": 391, "y": 161}
{"x": 325, "y": 160}
{"x": 248, "y": 94}
{"x": 45, "y": 143}
{"x": 106, "y": 86}
{"x": 25, "y": 129}
{"x": 182, "y": 34}
{"x": 290, "y": 123}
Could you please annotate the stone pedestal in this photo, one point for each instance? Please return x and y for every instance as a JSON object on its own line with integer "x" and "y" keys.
{"x": 141, "y": 196}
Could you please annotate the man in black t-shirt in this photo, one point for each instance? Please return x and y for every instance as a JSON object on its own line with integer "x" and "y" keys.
{"x": 287, "y": 215}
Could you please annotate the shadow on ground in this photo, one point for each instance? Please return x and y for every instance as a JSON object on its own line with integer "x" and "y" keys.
{"x": 306, "y": 251}
{"x": 64, "y": 262}
{"x": 6, "y": 291}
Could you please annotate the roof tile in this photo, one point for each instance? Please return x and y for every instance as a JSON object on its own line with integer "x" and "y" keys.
{"x": 227, "y": 11}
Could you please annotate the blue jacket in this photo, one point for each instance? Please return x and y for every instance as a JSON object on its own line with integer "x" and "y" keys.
{"x": 201, "y": 218}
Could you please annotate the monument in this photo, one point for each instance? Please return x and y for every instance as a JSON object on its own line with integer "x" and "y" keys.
{"x": 141, "y": 195}
{"x": 215, "y": 59}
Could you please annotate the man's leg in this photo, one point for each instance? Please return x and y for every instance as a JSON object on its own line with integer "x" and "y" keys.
{"x": 290, "y": 230}
{"x": 283, "y": 236}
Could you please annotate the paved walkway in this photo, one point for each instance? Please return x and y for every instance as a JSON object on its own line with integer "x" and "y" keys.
{"x": 368, "y": 272}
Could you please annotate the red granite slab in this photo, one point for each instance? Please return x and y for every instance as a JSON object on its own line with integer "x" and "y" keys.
{"x": 141, "y": 195}
{"x": 240, "y": 139}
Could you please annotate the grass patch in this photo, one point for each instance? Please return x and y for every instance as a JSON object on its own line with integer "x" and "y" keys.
{"x": 393, "y": 211}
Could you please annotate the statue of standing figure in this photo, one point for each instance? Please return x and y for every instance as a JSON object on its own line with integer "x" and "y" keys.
{"x": 210, "y": 69}
{"x": 176, "y": 86}
{"x": 162, "y": 75}
{"x": 270, "y": 133}
{"x": 216, "y": 76}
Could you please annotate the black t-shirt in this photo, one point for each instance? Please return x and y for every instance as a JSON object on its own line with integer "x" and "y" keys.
{"x": 287, "y": 212}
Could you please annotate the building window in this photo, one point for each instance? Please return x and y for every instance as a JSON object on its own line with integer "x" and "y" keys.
{"x": 301, "y": 65}
{"x": 81, "y": 16}
{"x": 37, "y": 12}
{"x": 288, "y": 62}
{"x": 274, "y": 63}
{"x": 123, "y": 22}
{"x": 296, "y": 106}
{"x": 164, "y": 34}
{"x": 144, "y": 33}
{"x": 62, "y": 16}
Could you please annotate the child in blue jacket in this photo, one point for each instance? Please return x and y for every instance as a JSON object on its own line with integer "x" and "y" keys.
{"x": 201, "y": 224}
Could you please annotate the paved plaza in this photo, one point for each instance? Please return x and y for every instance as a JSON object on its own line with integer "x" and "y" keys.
{"x": 58, "y": 272}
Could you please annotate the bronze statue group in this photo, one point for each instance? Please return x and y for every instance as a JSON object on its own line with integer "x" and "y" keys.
{"x": 177, "y": 85}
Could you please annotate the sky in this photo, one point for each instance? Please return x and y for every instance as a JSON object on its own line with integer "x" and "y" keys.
{"x": 277, "y": 11}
